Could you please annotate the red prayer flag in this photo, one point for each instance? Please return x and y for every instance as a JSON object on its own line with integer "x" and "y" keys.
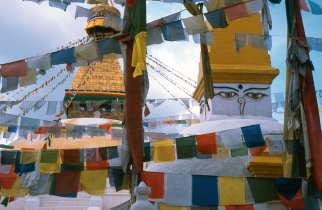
{"x": 254, "y": 151}
{"x": 236, "y": 11}
{"x": 296, "y": 202}
{"x": 14, "y": 69}
{"x": 106, "y": 127}
{"x": 8, "y": 180}
{"x": 240, "y": 207}
{"x": 206, "y": 143}
{"x": 67, "y": 182}
{"x": 155, "y": 180}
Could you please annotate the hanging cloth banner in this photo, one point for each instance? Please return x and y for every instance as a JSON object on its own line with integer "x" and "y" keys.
{"x": 13, "y": 69}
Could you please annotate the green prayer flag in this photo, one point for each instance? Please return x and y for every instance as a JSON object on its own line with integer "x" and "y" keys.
{"x": 311, "y": 203}
{"x": 186, "y": 147}
{"x": 72, "y": 167}
{"x": 49, "y": 156}
{"x": 3, "y": 146}
{"x": 263, "y": 189}
{"x": 243, "y": 151}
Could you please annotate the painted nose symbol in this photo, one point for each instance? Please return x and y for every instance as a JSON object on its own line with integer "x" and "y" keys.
{"x": 241, "y": 102}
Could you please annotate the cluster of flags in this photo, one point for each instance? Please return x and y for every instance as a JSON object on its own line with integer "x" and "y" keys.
{"x": 225, "y": 191}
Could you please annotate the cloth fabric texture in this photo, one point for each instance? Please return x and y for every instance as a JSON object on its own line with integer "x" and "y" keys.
{"x": 186, "y": 147}
{"x": 29, "y": 79}
{"x": 155, "y": 180}
{"x": 58, "y": 4}
{"x": 316, "y": 9}
{"x": 204, "y": 190}
{"x": 204, "y": 38}
{"x": 154, "y": 36}
{"x": 240, "y": 207}
{"x": 116, "y": 177}
{"x": 13, "y": 69}
{"x": 70, "y": 156}
{"x": 253, "y": 136}
{"x": 231, "y": 138}
{"x": 289, "y": 192}
{"x": 107, "y": 46}
{"x": 163, "y": 151}
{"x": 254, "y": 6}
{"x": 16, "y": 189}
{"x": 163, "y": 206}
{"x": 52, "y": 107}
{"x": 178, "y": 189}
{"x": 63, "y": 57}
{"x": 173, "y": 31}
{"x": 236, "y": 11}
{"x": 87, "y": 51}
{"x": 217, "y": 18}
{"x": 195, "y": 24}
{"x": 263, "y": 189}
{"x": 67, "y": 182}
{"x": 40, "y": 62}
{"x": 83, "y": 12}
{"x": 93, "y": 182}
{"x": 9, "y": 84}
{"x": 231, "y": 191}
{"x": 206, "y": 143}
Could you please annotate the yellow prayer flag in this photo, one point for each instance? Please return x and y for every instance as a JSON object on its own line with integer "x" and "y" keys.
{"x": 3, "y": 129}
{"x": 50, "y": 168}
{"x": 163, "y": 151}
{"x": 231, "y": 191}
{"x": 93, "y": 182}
{"x": 139, "y": 54}
{"x": 16, "y": 190}
{"x": 166, "y": 207}
{"x": 28, "y": 156}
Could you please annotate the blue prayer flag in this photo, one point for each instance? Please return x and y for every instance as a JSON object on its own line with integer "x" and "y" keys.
{"x": 174, "y": 31}
{"x": 108, "y": 46}
{"x": 63, "y": 57}
{"x": 253, "y": 136}
{"x": 23, "y": 168}
{"x": 204, "y": 190}
{"x": 315, "y": 8}
{"x": 147, "y": 152}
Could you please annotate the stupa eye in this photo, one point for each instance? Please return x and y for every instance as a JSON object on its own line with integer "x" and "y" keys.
{"x": 228, "y": 94}
{"x": 255, "y": 96}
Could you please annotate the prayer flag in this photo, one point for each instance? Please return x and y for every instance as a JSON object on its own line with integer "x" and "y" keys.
{"x": 40, "y": 62}
{"x": 112, "y": 152}
{"x": 256, "y": 150}
{"x": 63, "y": 57}
{"x": 316, "y": 9}
{"x": 253, "y": 136}
{"x": 178, "y": 189}
{"x": 147, "y": 152}
{"x": 58, "y": 4}
{"x": 206, "y": 143}
{"x": 217, "y": 18}
{"x": 231, "y": 191}
{"x": 240, "y": 207}
{"x": 236, "y": 11}
{"x": 16, "y": 189}
{"x": 254, "y": 6}
{"x": 263, "y": 189}
{"x": 8, "y": 179}
{"x": 204, "y": 190}
{"x": 163, "y": 151}
{"x": 289, "y": 192}
{"x": 231, "y": 138}
{"x": 87, "y": 51}
{"x": 8, "y": 157}
{"x": 72, "y": 167}
{"x": 154, "y": 36}
{"x": 70, "y": 155}
{"x": 166, "y": 207}
{"x": 67, "y": 182}
{"x": 49, "y": 156}
{"x": 155, "y": 180}
{"x": 13, "y": 69}
{"x": 29, "y": 79}
{"x": 74, "y": 1}
{"x": 52, "y": 107}
{"x": 83, "y": 12}
{"x": 174, "y": 31}
{"x": 107, "y": 46}
{"x": 186, "y": 147}
{"x": 9, "y": 84}
{"x": 195, "y": 24}
{"x": 23, "y": 168}
{"x": 41, "y": 186}
{"x": 93, "y": 182}
{"x": 116, "y": 177}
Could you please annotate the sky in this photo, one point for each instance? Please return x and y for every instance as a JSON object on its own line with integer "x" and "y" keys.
{"x": 28, "y": 29}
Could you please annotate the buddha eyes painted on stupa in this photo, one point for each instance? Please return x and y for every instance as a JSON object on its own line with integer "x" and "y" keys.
{"x": 239, "y": 98}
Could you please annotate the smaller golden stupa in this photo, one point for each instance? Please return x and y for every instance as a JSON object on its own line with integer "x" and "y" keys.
{"x": 103, "y": 88}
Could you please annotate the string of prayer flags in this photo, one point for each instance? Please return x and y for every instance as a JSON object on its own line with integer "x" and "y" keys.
{"x": 231, "y": 191}
{"x": 205, "y": 191}
{"x": 93, "y": 181}
{"x": 186, "y": 147}
{"x": 163, "y": 151}
{"x": 253, "y": 136}
{"x": 178, "y": 189}
{"x": 289, "y": 192}
{"x": 206, "y": 143}
{"x": 155, "y": 180}
{"x": 316, "y": 9}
